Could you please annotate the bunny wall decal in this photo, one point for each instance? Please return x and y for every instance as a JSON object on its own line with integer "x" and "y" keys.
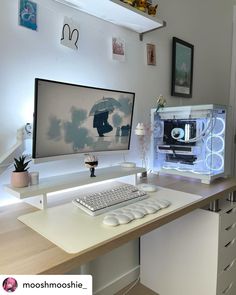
{"x": 70, "y": 34}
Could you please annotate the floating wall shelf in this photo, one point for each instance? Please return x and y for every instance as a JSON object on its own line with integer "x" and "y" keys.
{"x": 119, "y": 13}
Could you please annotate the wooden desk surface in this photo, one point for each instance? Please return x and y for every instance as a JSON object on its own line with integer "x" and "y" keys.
{"x": 23, "y": 251}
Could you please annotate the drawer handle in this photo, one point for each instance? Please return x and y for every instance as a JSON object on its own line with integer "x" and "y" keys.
{"x": 231, "y": 211}
{"x": 227, "y": 289}
{"x": 230, "y": 243}
{"x": 228, "y": 267}
{"x": 230, "y": 227}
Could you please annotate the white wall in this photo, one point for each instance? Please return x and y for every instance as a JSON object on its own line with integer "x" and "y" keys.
{"x": 27, "y": 54}
{"x": 207, "y": 25}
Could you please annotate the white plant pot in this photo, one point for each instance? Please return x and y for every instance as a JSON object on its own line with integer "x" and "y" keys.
{"x": 20, "y": 179}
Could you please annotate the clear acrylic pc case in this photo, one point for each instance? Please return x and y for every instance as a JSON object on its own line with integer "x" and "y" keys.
{"x": 189, "y": 141}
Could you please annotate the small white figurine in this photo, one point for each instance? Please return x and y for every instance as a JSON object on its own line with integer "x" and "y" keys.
{"x": 140, "y": 130}
{"x": 161, "y": 102}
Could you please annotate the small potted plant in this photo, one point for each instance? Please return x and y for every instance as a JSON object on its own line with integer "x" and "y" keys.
{"x": 20, "y": 176}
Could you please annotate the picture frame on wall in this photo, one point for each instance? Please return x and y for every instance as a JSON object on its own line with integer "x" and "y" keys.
{"x": 118, "y": 49}
{"x": 28, "y": 14}
{"x": 182, "y": 68}
{"x": 151, "y": 54}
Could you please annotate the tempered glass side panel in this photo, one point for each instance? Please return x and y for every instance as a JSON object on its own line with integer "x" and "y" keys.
{"x": 189, "y": 140}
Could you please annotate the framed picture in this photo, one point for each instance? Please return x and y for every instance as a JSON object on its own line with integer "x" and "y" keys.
{"x": 151, "y": 54}
{"x": 182, "y": 68}
{"x": 118, "y": 49}
{"x": 28, "y": 14}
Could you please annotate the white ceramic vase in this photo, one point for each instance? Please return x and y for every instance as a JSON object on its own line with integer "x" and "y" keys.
{"x": 20, "y": 179}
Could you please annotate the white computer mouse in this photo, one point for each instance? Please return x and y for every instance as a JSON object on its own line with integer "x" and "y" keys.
{"x": 147, "y": 187}
{"x": 110, "y": 221}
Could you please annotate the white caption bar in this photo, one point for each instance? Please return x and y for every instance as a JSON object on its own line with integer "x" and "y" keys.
{"x": 46, "y": 284}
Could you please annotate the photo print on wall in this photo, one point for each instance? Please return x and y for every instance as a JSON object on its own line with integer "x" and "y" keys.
{"x": 70, "y": 33}
{"x": 151, "y": 54}
{"x": 118, "y": 49}
{"x": 28, "y": 14}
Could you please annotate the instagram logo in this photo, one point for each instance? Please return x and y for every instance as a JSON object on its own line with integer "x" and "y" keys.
{"x": 9, "y": 285}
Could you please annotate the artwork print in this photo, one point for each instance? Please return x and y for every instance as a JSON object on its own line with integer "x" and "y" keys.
{"x": 151, "y": 54}
{"x": 28, "y": 14}
{"x": 70, "y": 33}
{"x": 182, "y": 68}
{"x": 118, "y": 49}
{"x": 85, "y": 119}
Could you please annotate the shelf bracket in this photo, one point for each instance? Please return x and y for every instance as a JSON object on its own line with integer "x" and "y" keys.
{"x": 44, "y": 201}
{"x": 39, "y": 201}
{"x": 141, "y": 34}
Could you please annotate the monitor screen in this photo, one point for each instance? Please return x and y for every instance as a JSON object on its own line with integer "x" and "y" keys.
{"x": 71, "y": 119}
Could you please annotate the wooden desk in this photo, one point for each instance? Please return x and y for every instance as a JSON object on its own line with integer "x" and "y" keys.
{"x": 23, "y": 251}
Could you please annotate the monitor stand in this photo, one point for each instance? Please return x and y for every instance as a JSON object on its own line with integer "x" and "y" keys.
{"x": 127, "y": 164}
{"x": 67, "y": 181}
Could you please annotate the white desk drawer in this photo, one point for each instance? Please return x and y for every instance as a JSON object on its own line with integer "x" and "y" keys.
{"x": 228, "y": 218}
{"x": 227, "y": 234}
{"x": 230, "y": 290}
{"x": 227, "y": 277}
{"x": 226, "y": 255}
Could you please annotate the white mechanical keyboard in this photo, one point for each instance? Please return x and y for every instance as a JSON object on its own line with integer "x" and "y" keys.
{"x": 110, "y": 199}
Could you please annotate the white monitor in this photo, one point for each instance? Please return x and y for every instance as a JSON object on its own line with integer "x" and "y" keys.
{"x": 72, "y": 119}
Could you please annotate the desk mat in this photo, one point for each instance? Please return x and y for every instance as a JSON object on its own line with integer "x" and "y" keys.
{"x": 75, "y": 231}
